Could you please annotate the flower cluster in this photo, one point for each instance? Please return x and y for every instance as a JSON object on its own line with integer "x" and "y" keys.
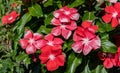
{"x": 10, "y": 18}
{"x": 50, "y": 47}
{"x": 64, "y": 20}
{"x": 112, "y": 14}
{"x": 85, "y": 39}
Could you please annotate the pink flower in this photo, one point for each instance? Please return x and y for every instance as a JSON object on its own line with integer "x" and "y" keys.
{"x": 29, "y": 40}
{"x": 50, "y": 40}
{"x": 8, "y": 19}
{"x": 64, "y": 20}
{"x": 108, "y": 58}
{"x": 85, "y": 40}
{"x": 52, "y": 58}
{"x": 66, "y": 14}
{"x": 112, "y": 14}
{"x": 63, "y": 29}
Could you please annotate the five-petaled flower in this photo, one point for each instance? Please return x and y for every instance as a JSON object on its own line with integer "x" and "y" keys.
{"x": 64, "y": 20}
{"x": 112, "y": 14}
{"x": 29, "y": 41}
{"x": 85, "y": 39}
{"x": 53, "y": 58}
{"x": 10, "y": 18}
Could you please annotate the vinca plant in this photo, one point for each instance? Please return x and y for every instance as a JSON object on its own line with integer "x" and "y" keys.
{"x": 59, "y": 36}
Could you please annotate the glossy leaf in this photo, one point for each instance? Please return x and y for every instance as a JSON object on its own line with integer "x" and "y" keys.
{"x": 88, "y": 16}
{"x": 76, "y": 3}
{"x": 36, "y": 10}
{"x": 73, "y": 62}
{"x": 48, "y": 3}
{"x": 108, "y": 46}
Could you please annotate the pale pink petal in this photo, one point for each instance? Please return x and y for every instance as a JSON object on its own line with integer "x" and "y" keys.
{"x": 55, "y": 22}
{"x": 75, "y": 16}
{"x": 73, "y": 10}
{"x": 66, "y": 33}
{"x": 114, "y": 22}
{"x": 58, "y": 41}
{"x": 56, "y": 31}
{"x": 77, "y": 47}
{"x": 37, "y": 36}
{"x": 72, "y": 25}
{"x": 107, "y": 63}
{"x": 30, "y": 49}
{"x": 40, "y": 43}
{"x": 57, "y": 13}
{"x": 23, "y": 43}
{"x": 28, "y": 34}
{"x": 95, "y": 43}
{"x": 86, "y": 49}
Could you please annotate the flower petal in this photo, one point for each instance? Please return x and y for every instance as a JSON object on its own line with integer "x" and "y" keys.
{"x": 30, "y": 49}
{"x": 107, "y": 18}
{"x": 117, "y": 6}
{"x": 56, "y": 31}
{"x": 55, "y": 22}
{"x": 107, "y": 63}
{"x": 72, "y": 25}
{"x": 86, "y": 49}
{"x": 109, "y": 9}
{"x": 114, "y": 22}
{"x": 28, "y": 34}
{"x": 58, "y": 41}
{"x": 66, "y": 33}
{"x": 64, "y": 19}
{"x": 49, "y": 37}
{"x": 52, "y": 65}
{"x": 76, "y": 37}
{"x": 37, "y": 36}
{"x": 60, "y": 60}
{"x": 77, "y": 47}
{"x": 23, "y": 43}
{"x": 43, "y": 58}
{"x": 75, "y": 16}
{"x": 40, "y": 43}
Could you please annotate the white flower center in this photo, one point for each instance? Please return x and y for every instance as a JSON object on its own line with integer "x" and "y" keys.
{"x": 50, "y": 43}
{"x": 31, "y": 41}
{"x": 85, "y": 41}
{"x": 67, "y": 12}
{"x": 10, "y": 18}
{"x": 63, "y": 26}
{"x": 51, "y": 57}
{"x": 114, "y": 14}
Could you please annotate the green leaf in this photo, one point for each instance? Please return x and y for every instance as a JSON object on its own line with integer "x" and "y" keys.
{"x": 44, "y": 30}
{"x": 73, "y": 62}
{"x": 48, "y": 3}
{"x": 76, "y": 3}
{"x": 88, "y": 16}
{"x": 108, "y": 46}
{"x": 36, "y": 10}
{"x": 98, "y": 69}
{"x": 48, "y": 18}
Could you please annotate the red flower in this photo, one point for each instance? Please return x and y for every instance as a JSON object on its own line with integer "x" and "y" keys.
{"x": 112, "y": 14}
{"x": 8, "y": 19}
{"x": 85, "y": 40}
{"x": 63, "y": 29}
{"x": 108, "y": 58}
{"x": 29, "y": 40}
{"x": 52, "y": 58}
{"x": 50, "y": 40}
